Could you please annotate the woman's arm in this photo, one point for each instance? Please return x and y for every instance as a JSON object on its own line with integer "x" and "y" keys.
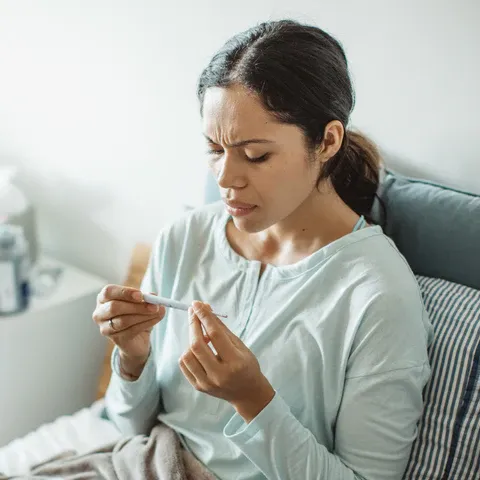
{"x": 375, "y": 430}
{"x": 134, "y": 405}
{"x": 377, "y": 419}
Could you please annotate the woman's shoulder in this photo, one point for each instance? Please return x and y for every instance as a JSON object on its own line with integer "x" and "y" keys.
{"x": 375, "y": 272}
{"x": 391, "y": 326}
{"x": 392, "y": 267}
{"x": 378, "y": 259}
{"x": 193, "y": 224}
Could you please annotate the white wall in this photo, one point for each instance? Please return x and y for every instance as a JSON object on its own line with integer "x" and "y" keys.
{"x": 97, "y": 103}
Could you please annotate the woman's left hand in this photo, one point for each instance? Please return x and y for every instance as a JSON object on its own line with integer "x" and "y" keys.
{"x": 232, "y": 374}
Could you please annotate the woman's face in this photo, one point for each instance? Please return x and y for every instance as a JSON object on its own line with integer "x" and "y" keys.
{"x": 262, "y": 166}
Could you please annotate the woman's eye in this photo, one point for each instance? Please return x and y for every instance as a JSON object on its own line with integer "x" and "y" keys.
{"x": 250, "y": 159}
{"x": 214, "y": 152}
{"x": 258, "y": 159}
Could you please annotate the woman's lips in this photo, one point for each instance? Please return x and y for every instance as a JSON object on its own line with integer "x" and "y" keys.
{"x": 237, "y": 209}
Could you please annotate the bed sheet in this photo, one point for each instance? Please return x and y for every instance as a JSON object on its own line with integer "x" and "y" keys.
{"x": 82, "y": 431}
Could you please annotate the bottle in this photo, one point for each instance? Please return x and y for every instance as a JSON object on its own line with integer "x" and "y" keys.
{"x": 14, "y": 270}
{"x": 16, "y": 209}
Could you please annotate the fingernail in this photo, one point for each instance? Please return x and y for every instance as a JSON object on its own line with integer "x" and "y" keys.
{"x": 197, "y": 306}
{"x": 153, "y": 308}
{"x": 137, "y": 296}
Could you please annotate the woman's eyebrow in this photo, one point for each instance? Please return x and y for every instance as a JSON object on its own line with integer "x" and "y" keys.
{"x": 243, "y": 142}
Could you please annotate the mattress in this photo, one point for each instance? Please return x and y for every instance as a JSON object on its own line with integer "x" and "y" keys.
{"x": 83, "y": 431}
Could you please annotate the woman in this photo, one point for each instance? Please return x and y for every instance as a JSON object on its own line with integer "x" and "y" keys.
{"x": 318, "y": 371}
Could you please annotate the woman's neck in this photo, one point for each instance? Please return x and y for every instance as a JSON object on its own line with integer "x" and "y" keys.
{"x": 321, "y": 219}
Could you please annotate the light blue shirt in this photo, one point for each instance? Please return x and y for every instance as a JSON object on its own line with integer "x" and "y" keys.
{"x": 342, "y": 336}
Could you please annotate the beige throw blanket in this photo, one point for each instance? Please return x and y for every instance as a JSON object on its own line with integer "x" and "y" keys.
{"x": 159, "y": 456}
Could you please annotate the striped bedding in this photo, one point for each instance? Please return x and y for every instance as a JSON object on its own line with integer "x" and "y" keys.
{"x": 448, "y": 441}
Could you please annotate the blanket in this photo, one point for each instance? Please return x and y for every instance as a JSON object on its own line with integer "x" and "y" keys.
{"x": 158, "y": 456}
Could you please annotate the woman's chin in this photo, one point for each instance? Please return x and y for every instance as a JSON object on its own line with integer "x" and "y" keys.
{"x": 249, "y": 224}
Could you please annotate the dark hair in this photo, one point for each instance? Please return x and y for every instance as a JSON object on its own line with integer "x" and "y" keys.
{"x": 300, "y": 73}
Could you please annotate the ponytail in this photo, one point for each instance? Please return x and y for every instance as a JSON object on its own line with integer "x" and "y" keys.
{"x": 354, "y": 172}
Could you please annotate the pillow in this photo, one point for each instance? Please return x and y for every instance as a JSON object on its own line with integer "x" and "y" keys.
{"x": 436, "y": 228}
{"x": 448, "y": 441}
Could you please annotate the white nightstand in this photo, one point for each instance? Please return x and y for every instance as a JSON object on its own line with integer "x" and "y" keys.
{"x": 50, "y": 355}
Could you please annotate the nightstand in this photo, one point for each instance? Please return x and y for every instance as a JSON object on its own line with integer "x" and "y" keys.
{"x": 51, "y": 354}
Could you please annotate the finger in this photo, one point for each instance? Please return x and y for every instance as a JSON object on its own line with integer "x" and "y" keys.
{"x": 194, "y": 366}
{"x": 233, "y": 337}
{"x": 107, "y": 330}
{"x": 216, "y": 330}
{"x": 117, "y": 308}
{"x": 199, "y": 347}
{"x": 186, "y": 372}
{"x": 120, "y": 292}
{"x": 124, "y": 323}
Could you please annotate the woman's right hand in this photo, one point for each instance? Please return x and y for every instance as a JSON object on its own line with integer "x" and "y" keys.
{"x": 123, "y": 316}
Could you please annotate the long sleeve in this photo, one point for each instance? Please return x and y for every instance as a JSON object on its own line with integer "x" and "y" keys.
{"x": 134, "y": 406}
{"x": 377, "y": 419}
{"x": 282, "y": 448}
{"x": 374, "y": 432}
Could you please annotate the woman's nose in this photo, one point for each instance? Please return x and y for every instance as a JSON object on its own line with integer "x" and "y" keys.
{"x": 229, "y": 173}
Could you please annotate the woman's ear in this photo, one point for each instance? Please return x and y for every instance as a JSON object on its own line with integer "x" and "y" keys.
{"x": 332, "y": 141}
